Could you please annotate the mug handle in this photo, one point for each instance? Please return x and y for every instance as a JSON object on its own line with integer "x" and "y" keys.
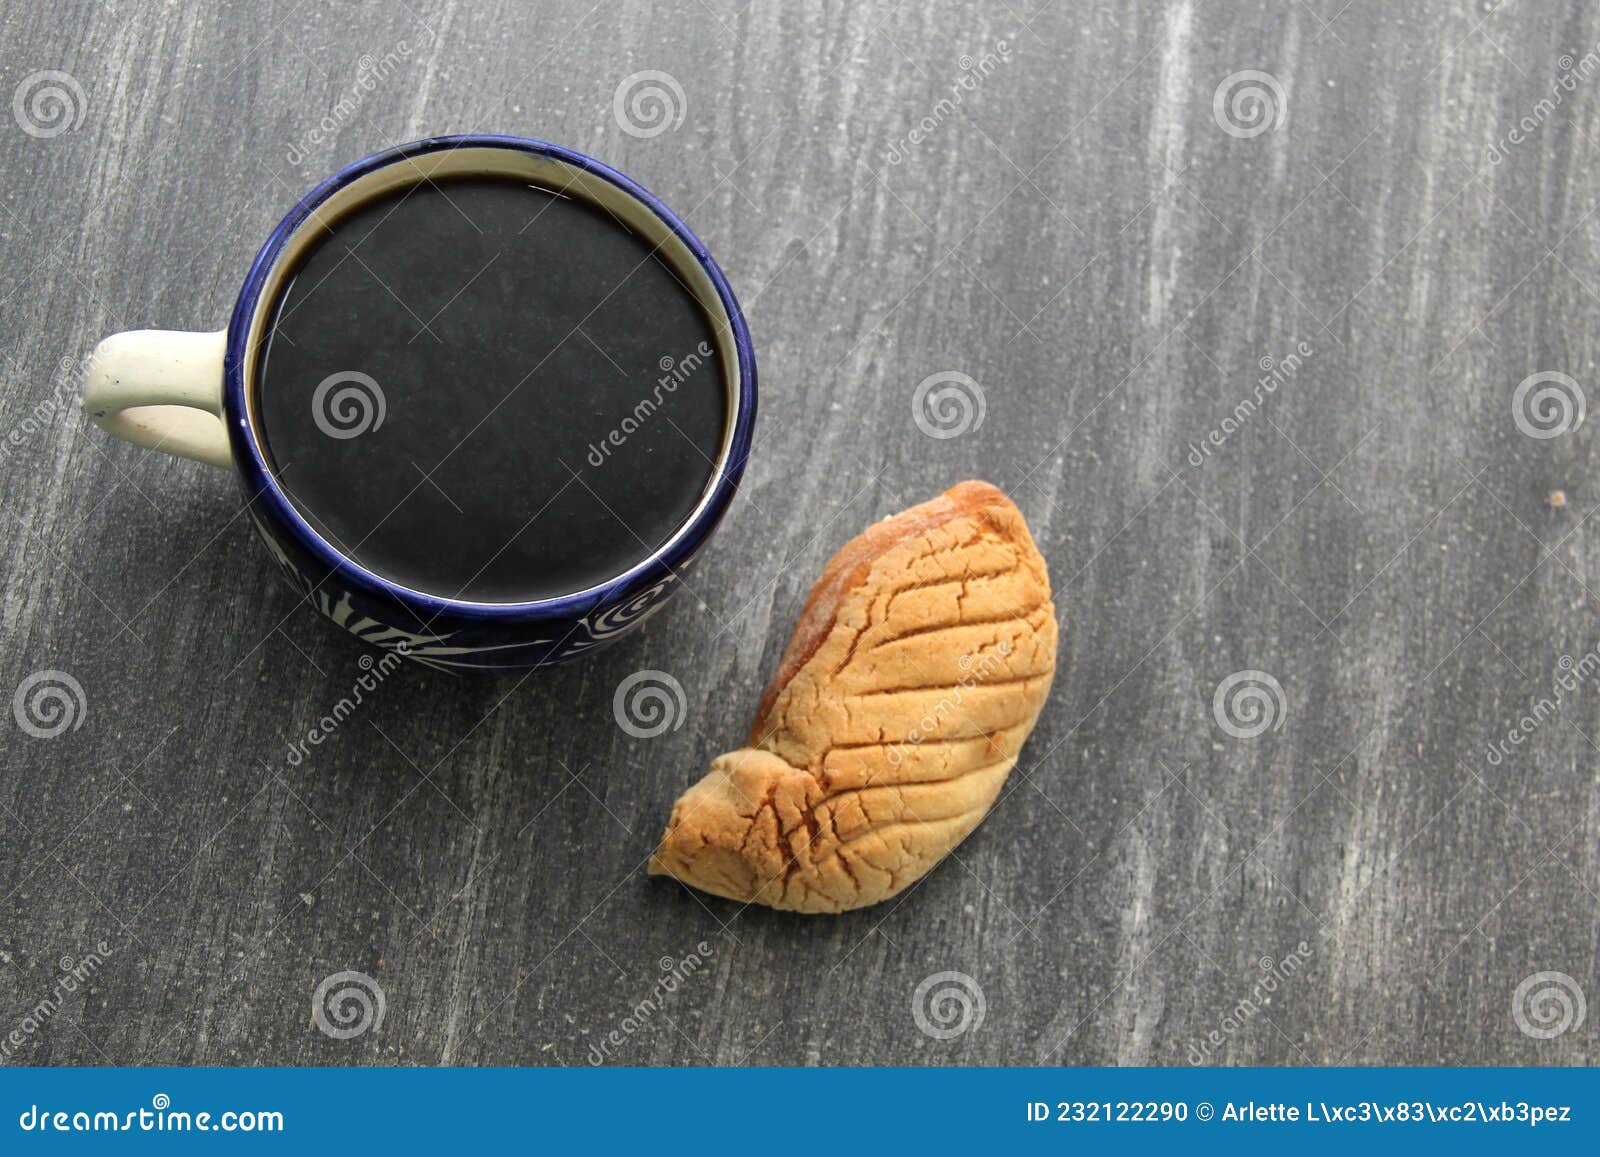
{"x": 161, "y": 389}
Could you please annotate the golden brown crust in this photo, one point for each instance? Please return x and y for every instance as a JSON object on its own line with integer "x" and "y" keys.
{"x": 849, "y": 567}
{"x": 915, "y": 671}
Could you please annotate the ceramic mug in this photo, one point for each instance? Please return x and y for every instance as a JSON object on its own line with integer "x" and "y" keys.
{"x": 190, "y": 393}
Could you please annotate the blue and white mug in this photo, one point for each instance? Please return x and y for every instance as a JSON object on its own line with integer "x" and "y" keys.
{"x": 189, "y": 394}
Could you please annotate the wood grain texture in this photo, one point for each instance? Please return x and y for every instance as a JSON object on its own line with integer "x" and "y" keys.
{"x": 1074, "y": 230}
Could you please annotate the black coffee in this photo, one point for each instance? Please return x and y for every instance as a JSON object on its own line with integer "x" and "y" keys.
{"x": 484, "y": 390}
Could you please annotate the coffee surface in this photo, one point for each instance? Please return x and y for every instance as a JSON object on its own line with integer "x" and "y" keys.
{"x": 485, "y": 390}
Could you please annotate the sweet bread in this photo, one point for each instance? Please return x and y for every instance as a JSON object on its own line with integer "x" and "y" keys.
{"x": 915, "y": 672}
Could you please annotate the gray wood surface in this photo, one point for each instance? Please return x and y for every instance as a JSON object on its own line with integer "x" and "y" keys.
{"x": 1079, "y": 233}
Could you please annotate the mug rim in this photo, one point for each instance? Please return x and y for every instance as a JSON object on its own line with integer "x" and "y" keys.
{"x": 663, "y": 561}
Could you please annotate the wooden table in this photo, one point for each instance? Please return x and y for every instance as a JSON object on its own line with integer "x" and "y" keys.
{"x": 1118, "y": 224}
